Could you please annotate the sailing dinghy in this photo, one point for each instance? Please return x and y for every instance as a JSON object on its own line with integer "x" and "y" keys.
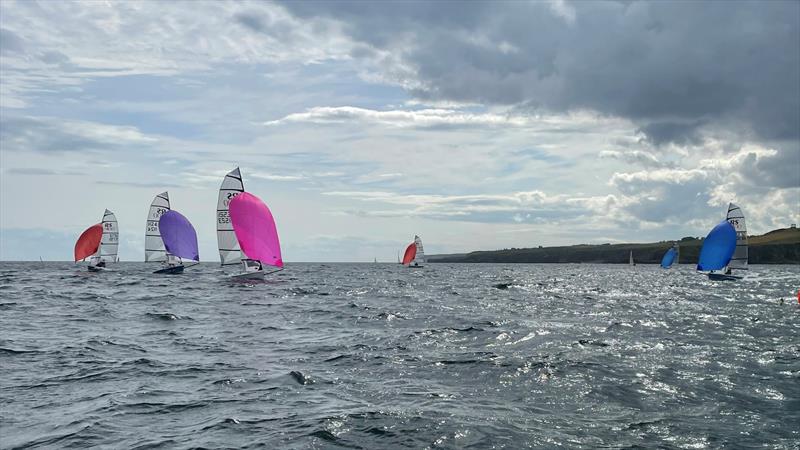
{"x": 717, "y": 250}
{"x": 670, "y": 257}
{"x": 246, "y": 233}
{"x": 630, "y": 259}
{"x": 739, "y": 257}
{"x": 99, "y": 243}
{"x": 154, "y": 250}
{"x": 414, "y": 256}
{"x": 180, "y": 241}
{"x": 256, "y": 234}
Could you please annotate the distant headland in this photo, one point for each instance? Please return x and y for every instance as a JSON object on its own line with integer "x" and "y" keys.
{"x": 781, "y": 246}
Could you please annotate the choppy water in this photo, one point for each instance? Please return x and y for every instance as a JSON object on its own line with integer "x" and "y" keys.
{"x": 377, "y": 356}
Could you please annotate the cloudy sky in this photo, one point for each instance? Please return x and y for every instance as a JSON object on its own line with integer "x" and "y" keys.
{"x": 475, "y": 125}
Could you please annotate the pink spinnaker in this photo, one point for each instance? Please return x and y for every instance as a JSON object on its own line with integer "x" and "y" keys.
{"x": 255, "y": 229}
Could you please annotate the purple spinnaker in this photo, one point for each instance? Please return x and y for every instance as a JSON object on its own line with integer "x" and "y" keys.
{"x": 255, "y": 229}
{"x": 178, "y": 235}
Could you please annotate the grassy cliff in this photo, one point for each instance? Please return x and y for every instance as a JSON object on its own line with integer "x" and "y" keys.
{"x": 776, "y": 247}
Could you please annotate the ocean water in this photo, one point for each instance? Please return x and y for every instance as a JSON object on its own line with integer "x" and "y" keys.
{"x": 378, "y": 356}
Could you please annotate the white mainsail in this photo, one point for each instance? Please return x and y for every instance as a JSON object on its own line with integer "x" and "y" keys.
{"x": 229, "y": 250}
{"x": 630, "y": 259}
{"x": 153, "y": 245}
{"x": 110, "y": 241}
{"x": 419, "y": 259}
{"x": 740, "y": 256}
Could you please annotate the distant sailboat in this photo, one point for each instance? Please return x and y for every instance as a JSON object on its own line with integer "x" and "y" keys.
{"x": 256, "y": 235}
{"x": 718, "y": 248}
{"x": 180, "y": 241}
{"x": 630, "y": 259}
{"x": 670, "y": 257}
{"x": 414, "y": 256}
{"x": 99, "y": 243}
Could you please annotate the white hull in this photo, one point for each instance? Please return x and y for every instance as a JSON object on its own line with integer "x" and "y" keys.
{"x": 249, "y": 275}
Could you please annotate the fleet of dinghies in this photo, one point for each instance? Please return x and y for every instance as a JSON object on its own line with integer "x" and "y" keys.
{"x": 248, "y": 237}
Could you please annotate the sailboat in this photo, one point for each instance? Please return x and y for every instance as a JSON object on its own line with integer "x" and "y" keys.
{"x": 181, "y": 235}
{"x": 154, "y": 250}
{"x": 728, "y": 250}
{"x": 414, "y": 256}
{"x": 180, "y": 241}
{"x": 99, "y": 243}
{"x": 246, "y": 231}
{"x": 630, "y": 259}
{"x": 670, "y": 257}
{"x": 736, "y": 241}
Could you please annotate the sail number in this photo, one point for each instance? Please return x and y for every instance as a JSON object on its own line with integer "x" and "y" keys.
{"x": 223, "y": 217}
{"x": 158, "y": 212}
{"x": 229, "y": 197}
{"x": 734, "y": 222}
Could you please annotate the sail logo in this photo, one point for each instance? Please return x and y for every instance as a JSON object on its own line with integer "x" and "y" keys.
{"x": 230, "y": 197}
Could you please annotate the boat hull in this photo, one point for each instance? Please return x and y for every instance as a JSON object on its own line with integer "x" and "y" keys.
{"x": 174, "y": 270}
{"x": 249, "y": 275}
{"x": 97, "y": 269}
{"x": 723, "y": 277}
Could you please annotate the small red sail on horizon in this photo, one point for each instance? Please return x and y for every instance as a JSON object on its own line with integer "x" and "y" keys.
{"x": 88, "y": 242}
{"x": 411, "y": 252}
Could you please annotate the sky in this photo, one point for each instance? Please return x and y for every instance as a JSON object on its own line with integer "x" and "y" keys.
{"x": 476, "y": 125}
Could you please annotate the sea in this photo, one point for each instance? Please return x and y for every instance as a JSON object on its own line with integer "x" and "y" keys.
{"x": 378, "y": 356}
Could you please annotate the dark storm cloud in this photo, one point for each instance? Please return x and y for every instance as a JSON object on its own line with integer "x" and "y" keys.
{"x": 671, "y": 67}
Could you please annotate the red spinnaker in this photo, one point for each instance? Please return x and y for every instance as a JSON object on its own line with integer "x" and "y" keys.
{"x": 411, "y": 252}
{"x": 89, "y": 242}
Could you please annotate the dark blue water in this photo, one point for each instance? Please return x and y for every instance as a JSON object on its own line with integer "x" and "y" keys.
{"x": 377, "y": 356}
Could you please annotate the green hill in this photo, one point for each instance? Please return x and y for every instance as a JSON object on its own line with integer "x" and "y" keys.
{"x": 776, "y": 247}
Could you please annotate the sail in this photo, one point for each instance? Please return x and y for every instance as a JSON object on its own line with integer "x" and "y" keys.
{"x": 669, "y": 257}
{"x": 229, "y": 250}
{"x": 110, "y": 241}
{"x": 88, "y": 242}
{"x": 179, "y": 236}
{"x": 255, "y": 229}
{"x": 736, "y": 218}
{"x": 411, "y": 252}
{"x": 153, "y": 245}
{"x": 630, "y": 258}
{"x": 419, "y": 258}
{"x": 718, "y": 247}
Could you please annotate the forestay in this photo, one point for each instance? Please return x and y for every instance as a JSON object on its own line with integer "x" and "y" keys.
{"x": 740, "y": 255}
{"x": 154, "y": 249}
{"x": 110, "y": 241}
{"x": 229, "y": 250}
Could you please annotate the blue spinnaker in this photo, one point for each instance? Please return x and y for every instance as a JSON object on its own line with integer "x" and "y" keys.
{"x": 718, "y": 247}
{"x": 669, "y": 258}
{"x": 178, "y": 235}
